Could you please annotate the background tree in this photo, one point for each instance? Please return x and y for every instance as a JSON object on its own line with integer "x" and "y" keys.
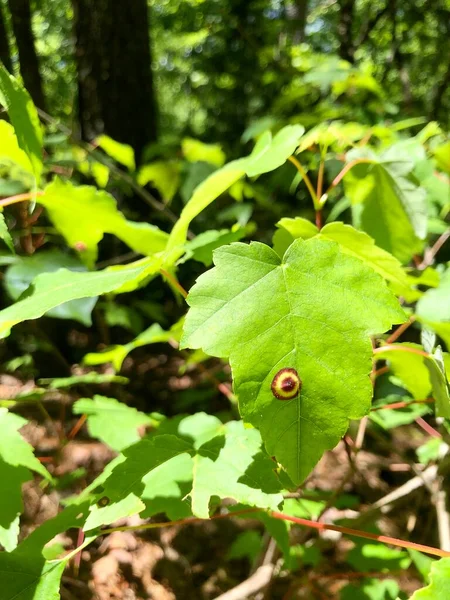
{"x": 29, "y": 63}
{"x": 5, "y": 55}
{"x": 115, "y": 83}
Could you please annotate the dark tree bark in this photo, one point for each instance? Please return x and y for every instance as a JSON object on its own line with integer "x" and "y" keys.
{"x": 5, "y": 55}
{"x": 297, "y": 13}
{"x": 345, "y": 30}
{"x": 29, "y": 64}
{"x": 115, "y": 83}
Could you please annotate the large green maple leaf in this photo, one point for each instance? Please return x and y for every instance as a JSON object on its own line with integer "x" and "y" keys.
{"x": 313, "y": 311}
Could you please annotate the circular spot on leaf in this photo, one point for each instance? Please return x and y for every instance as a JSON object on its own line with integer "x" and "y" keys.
{"x": 286, "y": 384}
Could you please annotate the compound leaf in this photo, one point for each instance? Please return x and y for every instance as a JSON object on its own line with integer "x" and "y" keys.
{"x": 312, "y": 311}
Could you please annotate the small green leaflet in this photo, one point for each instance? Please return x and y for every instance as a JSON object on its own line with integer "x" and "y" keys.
{"x": 439, "y": 588}
{"x": 155, "y": 334}
{"x": 111, "y": 421}
{"x": 266, "y": 314}
{"x": 24, "y": 118}
{"x": 11, "y": 153}
{"x": 52, "y": 289}
{"x": 83, "y": 215}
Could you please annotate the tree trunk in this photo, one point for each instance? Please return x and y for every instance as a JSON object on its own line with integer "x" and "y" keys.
{"x": 29, "y": 64}
{"x": 115, "y": 83}
{"x": 297, "y": 14}
{"x": 5, "y": 55}
{"x": 345, "y": 30}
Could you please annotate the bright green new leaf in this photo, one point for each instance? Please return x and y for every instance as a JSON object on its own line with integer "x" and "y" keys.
{"x": 389, "y": 418}
{"x": 117, "y": 354}
{"x": 270, "y": 153}
{"x": 22, "y": 273}
{"x": 121, "y": 153}
{"x": 353, "y": 242}
{"x": 195, "y": 151}
{"x": 387, "y": 204}
{"x": 442, "y": 155}
{"x": 52, "y": 289}
{"x": 4, "y": 233}
{"x": 266, "y": 314}
{"x": 371, "y": 589}
{"x": 210, "y": 189}
{"x": 10, "y": 151}
{"x": 83, "y": 215}
{"x": 111, "y": 421}
{"x": 202, "y": 246}
{"x": 164, "y": 175}
{"x": 24, "y": 118}
{"x": 11, "y": 505}
{"x": 439, "y": 588}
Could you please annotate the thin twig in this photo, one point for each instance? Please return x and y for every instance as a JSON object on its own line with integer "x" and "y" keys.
{"x": 174, "y": 282}
{"x": 443, "y": 517}
{"x": 306, "y": 179}
{"x": 431, "y": 253}
{"x": 401, "y": 329}
{"x": 393, "y": 348}
{"x": 256, "y": 582}
{"x": 19, "y": 198}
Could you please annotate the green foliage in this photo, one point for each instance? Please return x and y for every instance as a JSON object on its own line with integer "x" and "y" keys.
{"x": 439, "y": 588}
{"x": 53, "y": 289}
{"x": 96, "y": 214}
{"x": 24, "y": 118}
{"x": 316, "y": 290}
{"x": 111, "y": 421}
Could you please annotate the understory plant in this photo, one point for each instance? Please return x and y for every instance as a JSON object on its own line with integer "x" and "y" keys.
{"x": 307, "y": 322}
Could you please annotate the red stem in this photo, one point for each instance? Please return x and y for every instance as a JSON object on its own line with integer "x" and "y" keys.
{"x": 402, "y": 404}
{"x": 362, "y": 534}
{"x": 19, "y": 198}
{"x": 390, "y": 348}
{"x": 340, "y": 176}
{"x": 174, "y": 282}
{"x": 427, "y": 428}
{"x": 401, "y": 329}
{"x": 76, "y": 428}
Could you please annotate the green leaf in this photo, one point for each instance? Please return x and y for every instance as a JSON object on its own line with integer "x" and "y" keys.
{"x": 233, "y": 466}
{"x": 29, "y": 577}
{"x": 433, "y": 308}
{"x": 14, "y": 450}
{"x": 429, "y": 451}
{"x": 164, "y": 175}
{"x": 441, "y": 389}
{"x": 371, "y": 589}
{"x": 377, "y": 557}
{"x": 269, "y": 154}
{"x": 22, "y": 273}
{"x": 439, "y": 588}
{"x": 247, "y": 545}
{"x": 203, "y": 464}
{"x": 111, "y": 421}
{"x": 121, "y": 153}
{"x": 85, "y": 379}
{"x": 83, "y": 215}
{"x": 52, "y": 289}
{"x": 353, "y": 242}
{"x": 10, "y": 151}
{"x": 11, "y": 505}
{"x": 127, "y": 507}
{"x": 410, "y": 368}
{"x": 195, "y": 151}
{"x": 389, "y": 418}
{"x": 266, "y": 314}
{"x": 5, "y": 235}
{"x": 24, "y": 118}
{"x": 387, "y": 204}
{"x": 202, "y": 246}
{"x": 210, "y": 189}
{"x": 117, "y": 354}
